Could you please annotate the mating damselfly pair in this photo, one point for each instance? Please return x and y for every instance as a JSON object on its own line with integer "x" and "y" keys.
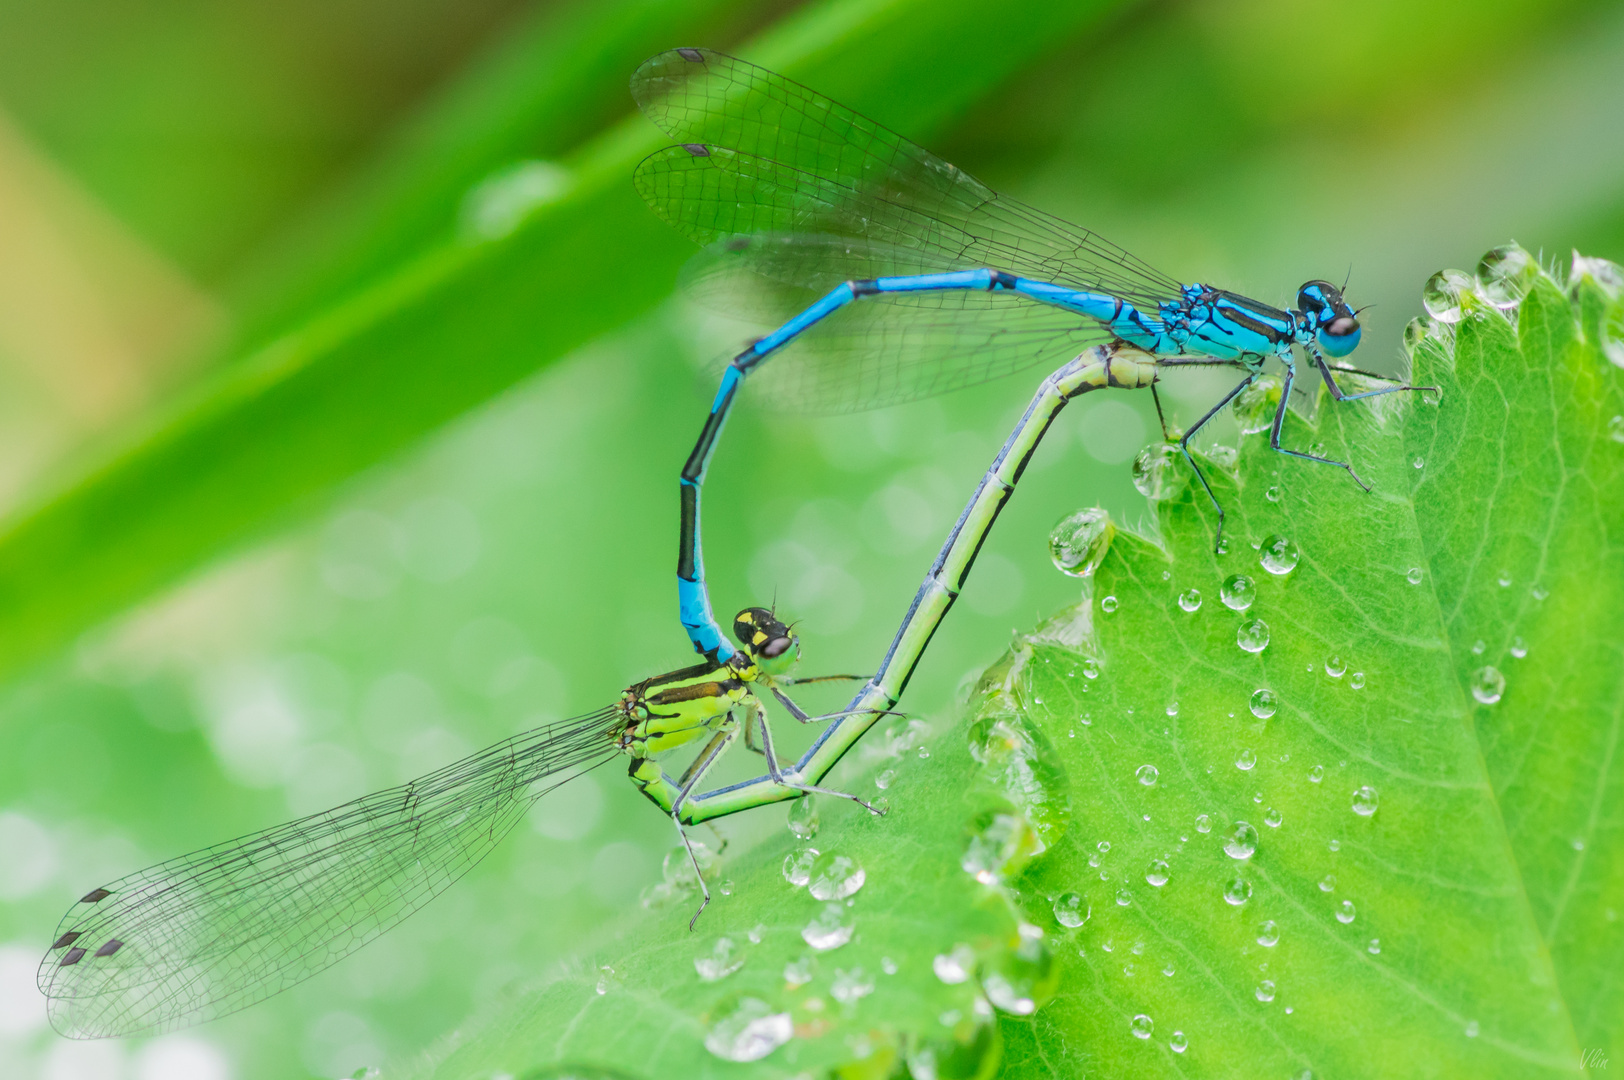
{"x": 821, "y": 207}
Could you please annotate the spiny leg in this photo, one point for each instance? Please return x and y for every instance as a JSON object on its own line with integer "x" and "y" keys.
{"x": 1280, "y": 420}
{"x": 1183, "y": 361}
{"x": 779, "y": 778}
{"x": 691, "y": 777}
{"x": 803, "y": 680}
{"x": 1338, "y": 394}
{"x": 1184, "y": 448}
{"x": 806, "y": 718}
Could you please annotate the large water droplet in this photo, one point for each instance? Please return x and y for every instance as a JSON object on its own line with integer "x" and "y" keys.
{"x": 1328, "y": 883}
{"x": 1203, "y": 823}
{"x": 1279, "y": 555}
{"x": 1505, "y": 273}
{"x": 1316, "y": 774}
{"x": 1238, "y": 592}
{"x": 1190, "y": 599}
{"x": 1245, "y": 760}
{"x": 1335, "y": 667}
{"x": 1263, "y": 704}
{"x": 835, "y": 877}
{"x": 1268, "y": 933}
{"x": 1273, "y": 818}
{"x": 1000, "y": 843}
{"x": 1158, "y": 873}
{"x": 1488, "y": 684}
{"x": 749, "y": 1031}
{"x": 1071, "y": 910}
{"x": 1016, "y": 981}
{"x": 1178, "y": 1043}
{"x": 1124, "y": 897}
{"x": 1345, "y": 913}
{"x": 1413, "y": 576}
{"x": 1237, "y": 891}
{"x": 1142, "y": 1026}
{"x": 1442, "y": 293}
{"x": 1079, "y": 543}
{"x": 1153, "y": 471}
{"x": 798, "y": 866}
{"x": 1146, "y": 775}
{"x": 1265, "y": 991}
{"x": 723, "y": 959}
{"x": 1365, "y": 801}
{"x": 1416, "y": 331}
{"x": 830, "y": 928}
{"x": 1253, "y": 636}
{"x": 1609, "y": 276}
{"x": 1357, "y": 680}
{"x": 1255, "y": 406}
{"x": 1109, "y": 604}
{"x": 803, "y": 818}
{"x": 1242, "y": 841}
{"x": 849, "y": 986}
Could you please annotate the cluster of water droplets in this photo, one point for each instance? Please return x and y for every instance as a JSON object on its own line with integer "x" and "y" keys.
{"x": 1505, "y": 275}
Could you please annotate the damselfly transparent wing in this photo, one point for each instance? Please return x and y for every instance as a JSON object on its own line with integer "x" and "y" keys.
{"x": 217, "y": 930}
{"x": 873, "y": 354}
{"x": 799, "y": 162}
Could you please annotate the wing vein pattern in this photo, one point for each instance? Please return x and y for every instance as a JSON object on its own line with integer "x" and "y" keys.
{"x": 206, "y": 934}
{"x": 790, "y": 194}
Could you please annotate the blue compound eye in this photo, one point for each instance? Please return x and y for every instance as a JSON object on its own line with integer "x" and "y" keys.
{"x": 1340, "y": 336}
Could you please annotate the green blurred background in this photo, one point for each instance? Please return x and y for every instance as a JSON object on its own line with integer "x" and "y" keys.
{"x": 342, "y": 396}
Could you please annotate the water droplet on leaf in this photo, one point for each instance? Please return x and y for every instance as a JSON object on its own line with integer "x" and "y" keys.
{"x": 1242, "y": 841}
{"x": 1237, "y": 891}
{"x": 1278, "y": 555}
{"x": 1365, "y": 801}
{"x": 722, "y": 960}
{"x": 1071, "y": 910}
{"x": 1142, "y": 1026}
{"x": 1238, "y": 592}
{"x": 1488, "y": 684}
{"x": 1268, "y": 933}
{"x": 749, "y": 1031}
{"x": 1263, "y": 703}
{"x": 803, "y": 818}
{"x": 1345, "y": 913}
{"x": 1079, "y": 543}
{"x": 798, "y": 866}
{"x": 1146, "y": 775}
{"x": 1153, "y": 471}
{"x": 1442, "y": 293}
{"x": 1158, "y": 873}
{"x": 1253, "y": 636}
{"x": 835, "y": 877}
{"x": 829, "y": 929}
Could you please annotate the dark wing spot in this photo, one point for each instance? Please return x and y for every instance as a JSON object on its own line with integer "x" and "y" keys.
{"x": 693, "y": 56}
{"x": 72, "y": 956}
{"x": 94, "y": 895}
{"x": 66, "y": 939}
{"x": 697, "y": 149}
{"x": 113, "y": 945}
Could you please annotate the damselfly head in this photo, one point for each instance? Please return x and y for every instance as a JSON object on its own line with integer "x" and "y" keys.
{"x": 1335, "y": 326}
{"x": 771, "y": 643}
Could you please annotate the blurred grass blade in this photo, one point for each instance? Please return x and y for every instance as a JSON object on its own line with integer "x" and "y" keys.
{"x": 548, "y": 85}
{"x": 570, "y": 254}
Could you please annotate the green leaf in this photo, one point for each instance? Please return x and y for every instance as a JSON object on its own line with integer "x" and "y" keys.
{"x": 1387, "y": 870}
{"x": 1459, "y": 929}
{"x": 465, "y": 319}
